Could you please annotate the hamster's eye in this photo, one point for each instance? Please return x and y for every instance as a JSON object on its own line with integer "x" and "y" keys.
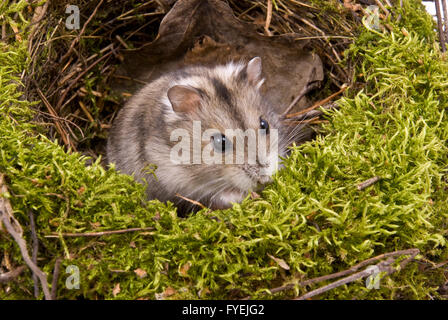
{"x": 221, "y": 143}
{"x": 264, "y": 125}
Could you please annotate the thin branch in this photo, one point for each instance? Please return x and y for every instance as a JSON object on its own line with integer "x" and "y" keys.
{"x": 54, "y": 281}
{"x": 35, "y": 250}
{"x": 383, "y": 266}
{"x": 4, "y": 30}
{"x": 15, "y": 230}
{"x": 268, "y": 18}
{"x": 368, "y": 183}
{"x": 379, "y": 3}
{"x": 317, "y": 112}
{"x": 445, "y": 18}
{"x": 52, "y": 112}
{"x": 192, "y": 201}
{"x": 98, "y": 234}
{"x": 301, "y": 94}
{"x": 317, "y": 104}
{"x": 441, "y": 264}
{"x": 440, "y": 26}
{"x": 39, "y": 14}
{"x": 413, "y": 252}
{"x": 11, "y": 275}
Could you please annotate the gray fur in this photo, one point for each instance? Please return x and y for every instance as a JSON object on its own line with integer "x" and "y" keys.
{"x": 140, "y": 134}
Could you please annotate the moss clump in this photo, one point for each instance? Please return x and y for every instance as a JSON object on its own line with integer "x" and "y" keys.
{"x": 312, "y": 216}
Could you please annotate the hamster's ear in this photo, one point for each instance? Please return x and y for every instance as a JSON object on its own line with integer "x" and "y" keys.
{"x": 254, "y": 71}
{"x": 184, "y": 98}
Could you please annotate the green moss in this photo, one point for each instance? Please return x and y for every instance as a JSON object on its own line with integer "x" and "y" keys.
{"x": 312, "y": 216}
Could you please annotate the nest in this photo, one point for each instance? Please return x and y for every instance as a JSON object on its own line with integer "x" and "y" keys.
{"x": 78, "y": 74}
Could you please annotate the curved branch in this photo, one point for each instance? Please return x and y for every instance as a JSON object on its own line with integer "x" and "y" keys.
{"x": 15, "y": 230}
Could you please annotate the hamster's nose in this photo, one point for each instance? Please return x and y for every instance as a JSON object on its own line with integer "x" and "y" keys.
{"x": 264, "y": 179}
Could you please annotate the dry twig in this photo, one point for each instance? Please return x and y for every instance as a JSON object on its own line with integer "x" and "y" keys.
{"x": 301, "y": 94}
{"x": 384, "y": 266}
{"x": 35, "y": 250}
{"x": 11, "y": 275}
{"x": 15, "y": 230}
{"x": 98, "y": 234}
{"x": 380, "y": 4}
{"x": 445, "y": 18}
{"x": 316, "y": 112}
{"x": 192, "y": 201}
{"x": 59, "y": 128}
{"x": 440, "y": 26}
{"x": 268, "y": 18}
{"x": 413, "y": 252}
{"x": 54, "y": 281}
{"x": 317, "y": 104}
{"x": 368, "y": 183}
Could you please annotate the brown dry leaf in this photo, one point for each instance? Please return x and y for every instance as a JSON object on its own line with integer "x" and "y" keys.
{"x": 156, "y": 216}
{"x": 254, "y": 195}
{"x": 184, "y": 269}
{"x": 38, "y": 13}
{"x": 169, "y": 292}
{"x": 16, "y": 31}
{"x": 280, "y": 262}
{"x": 116, "y": 290}
{"x": 352, "y": 6}
{"x": 54, "y": 222}
{"x": 140, "y": 273}
{"x": 260, "y": 20}
{"x": 95, "y": 225}
{"x": 187, "y": 38}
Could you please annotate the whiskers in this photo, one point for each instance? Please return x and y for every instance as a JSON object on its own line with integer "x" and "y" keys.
{"x": 298, "y": 133}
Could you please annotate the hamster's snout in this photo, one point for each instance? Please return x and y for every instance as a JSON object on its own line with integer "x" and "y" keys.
{"x": 264, "y": 179}
{"x": 259, "y": 174}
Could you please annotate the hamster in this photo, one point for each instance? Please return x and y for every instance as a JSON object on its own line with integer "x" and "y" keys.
{"x": 187, "y": 104}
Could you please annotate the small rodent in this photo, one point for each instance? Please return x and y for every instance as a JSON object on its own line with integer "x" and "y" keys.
{"x": 222, "y": 97}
